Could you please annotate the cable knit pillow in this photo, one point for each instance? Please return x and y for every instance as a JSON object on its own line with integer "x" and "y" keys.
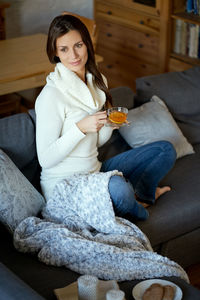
{"x": 18, "y": 198}
{"x": 152, "y": 122}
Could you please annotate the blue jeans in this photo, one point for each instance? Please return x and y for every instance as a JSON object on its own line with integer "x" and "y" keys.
{"x": 142, "y": 168}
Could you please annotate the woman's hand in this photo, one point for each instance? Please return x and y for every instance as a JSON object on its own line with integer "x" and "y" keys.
{"x": 93, "y": 123}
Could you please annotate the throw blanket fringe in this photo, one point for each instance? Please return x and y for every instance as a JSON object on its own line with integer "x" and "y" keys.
{"x": 80, "y": 231}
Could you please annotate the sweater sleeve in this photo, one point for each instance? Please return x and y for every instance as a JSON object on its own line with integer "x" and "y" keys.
{"x": 52, "y": 147}
{"x": 104, "y": 135}
{"x": 105, "y": 132}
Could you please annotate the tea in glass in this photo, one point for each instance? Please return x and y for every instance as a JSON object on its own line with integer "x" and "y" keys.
{"x": 117, "y": 115}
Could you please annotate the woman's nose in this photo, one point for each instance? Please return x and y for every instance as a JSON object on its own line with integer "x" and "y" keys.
{"x": 73, "y": 54}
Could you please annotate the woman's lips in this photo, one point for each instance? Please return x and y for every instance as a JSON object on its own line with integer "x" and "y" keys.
{"x": 75, "y": 63}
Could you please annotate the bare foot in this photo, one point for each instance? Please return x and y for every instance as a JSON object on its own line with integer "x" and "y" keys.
{"x": 159, "y": 192}
{"x": 162, "y": 190}
{"x": 144, "y": 204}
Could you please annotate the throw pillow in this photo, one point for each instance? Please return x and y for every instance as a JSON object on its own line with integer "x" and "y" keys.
{"x": 18, "y": 198}
{"x": 152, "y": 122}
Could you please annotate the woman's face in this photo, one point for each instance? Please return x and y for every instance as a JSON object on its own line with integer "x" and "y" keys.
{"x": 72, "y": 52}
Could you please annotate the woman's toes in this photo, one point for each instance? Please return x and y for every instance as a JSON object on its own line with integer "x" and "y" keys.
{"x": 162, "y": 190}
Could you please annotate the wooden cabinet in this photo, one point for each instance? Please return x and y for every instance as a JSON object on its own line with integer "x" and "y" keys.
{"x": 131, "y": 39}
{"x": 180, "y": 61}
{"x": 3, "y": 6}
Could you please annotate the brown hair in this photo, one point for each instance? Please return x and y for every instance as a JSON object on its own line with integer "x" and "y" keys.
{"x": 63, "y": 24}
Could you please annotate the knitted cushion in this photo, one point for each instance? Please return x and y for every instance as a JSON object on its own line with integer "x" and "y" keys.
{"x": 18, "y": 198}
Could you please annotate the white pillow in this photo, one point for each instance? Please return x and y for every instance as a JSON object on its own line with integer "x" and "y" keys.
{"x": 18, "y": 197}
{"x": 152, "y": 122}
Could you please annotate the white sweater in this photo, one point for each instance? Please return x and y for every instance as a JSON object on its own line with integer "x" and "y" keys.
{"x": 62, "y": 148}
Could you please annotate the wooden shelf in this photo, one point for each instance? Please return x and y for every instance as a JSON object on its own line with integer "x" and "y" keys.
{"x": 3, "y": 6}
{"x": 177, "y": 61}
{"x": 187, "y": 59}
{"x": 189, "y": 18}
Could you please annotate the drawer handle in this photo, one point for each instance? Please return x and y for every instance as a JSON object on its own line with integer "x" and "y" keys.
{"x": 140, "y": 45}
{"x": 109, "y": 12}
{"x": 109, "y": 34}
{"x": 109, "y": 66}
{"x": 141, "y": 22}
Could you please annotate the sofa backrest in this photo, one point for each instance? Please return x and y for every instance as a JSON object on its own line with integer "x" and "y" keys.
{"x": 17, "y": 140}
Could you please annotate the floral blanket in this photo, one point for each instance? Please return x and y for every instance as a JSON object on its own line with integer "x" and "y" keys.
{"x": 79, "y": 230}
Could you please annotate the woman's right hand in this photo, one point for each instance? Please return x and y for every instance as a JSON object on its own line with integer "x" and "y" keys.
{"x": 93, "y": 123}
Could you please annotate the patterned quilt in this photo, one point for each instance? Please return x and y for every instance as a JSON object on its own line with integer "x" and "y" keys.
{"x": 79, "y": 230}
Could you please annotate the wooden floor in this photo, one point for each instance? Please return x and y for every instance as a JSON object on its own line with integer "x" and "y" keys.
{"x": 194, "y": 275}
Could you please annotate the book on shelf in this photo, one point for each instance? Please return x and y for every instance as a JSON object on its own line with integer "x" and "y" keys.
{"x": 196, "y": 47}
{"x": 184, "y": 38}
{"x": 199, "y": 45}
{"x": 189, "y": 6}
{"x": 193, "y": 6}
{"x": 193, "y": 44}
{"x": 187, "y": 39}
{"x": 177, "y": 36}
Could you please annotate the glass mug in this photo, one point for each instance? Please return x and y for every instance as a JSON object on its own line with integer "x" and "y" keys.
{"x": 117, "y": 115}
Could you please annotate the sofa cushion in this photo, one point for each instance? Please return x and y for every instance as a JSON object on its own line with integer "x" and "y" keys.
{"x": 17, "y": 138}
{"x": 176, "y": 212}
{"x": 13, "y": 288}
{"x": 152, "y": 122}
{"x": 180, "y": 91}
{"x": 18, "y": 198}
{"x": 177, "y": 251}
{"x": 32, "y": 115}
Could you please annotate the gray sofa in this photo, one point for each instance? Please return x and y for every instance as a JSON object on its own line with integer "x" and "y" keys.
{"x": 173, "y": 226}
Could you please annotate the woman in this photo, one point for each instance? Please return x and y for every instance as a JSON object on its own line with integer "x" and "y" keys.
{"x": 70, "y": 126}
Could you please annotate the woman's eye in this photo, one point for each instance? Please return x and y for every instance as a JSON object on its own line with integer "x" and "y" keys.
{"x": 79, "y": 45}
{"x": 63, "y": 50}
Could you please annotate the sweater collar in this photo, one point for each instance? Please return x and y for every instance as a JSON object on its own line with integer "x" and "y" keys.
{"x": 88, "y": 96}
